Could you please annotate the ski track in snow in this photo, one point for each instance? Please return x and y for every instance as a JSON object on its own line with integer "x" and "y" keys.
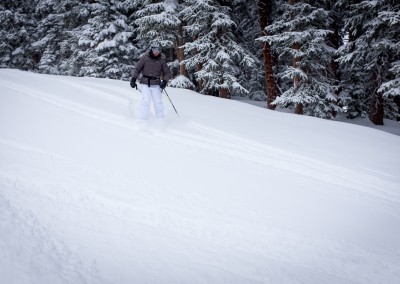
{"x": 197, "y": 135}
{"x": 345, "y": 178}
{"x": 211, "y": 139}
{"x": 154, "y": 208}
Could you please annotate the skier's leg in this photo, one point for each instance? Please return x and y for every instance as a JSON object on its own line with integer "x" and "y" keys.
{"x": 156, "y": 96}
{"x": 146, "y": 97}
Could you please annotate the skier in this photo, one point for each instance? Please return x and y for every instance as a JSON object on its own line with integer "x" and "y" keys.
{"x": 152, "y": 65}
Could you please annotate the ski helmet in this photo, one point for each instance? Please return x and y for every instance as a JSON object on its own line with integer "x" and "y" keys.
{"x": 155, "y": 46}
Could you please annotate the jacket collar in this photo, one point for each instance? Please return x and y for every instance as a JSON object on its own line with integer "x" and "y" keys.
{"x": 153, "y": 56}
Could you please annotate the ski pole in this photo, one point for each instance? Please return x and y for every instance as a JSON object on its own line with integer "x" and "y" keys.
{"x": 171, "y": 103}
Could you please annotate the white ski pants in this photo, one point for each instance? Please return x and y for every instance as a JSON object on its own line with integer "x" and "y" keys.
{"x": 151, "y": 94}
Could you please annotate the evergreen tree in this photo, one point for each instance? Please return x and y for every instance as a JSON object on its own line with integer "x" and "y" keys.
{"x": 214, "y": 52}
{"x": 57, "y": 36}
{"x": 300, "y": 37}
{"x": 369, "y": 60}
{"x": 158, "y": 20}
{"x": 245, "y": 16}
{"x": 335, "y": 40}
{"x": 105, "y": 46}
{"x": 183, "y": 80}
{"x": 17, "y": 26}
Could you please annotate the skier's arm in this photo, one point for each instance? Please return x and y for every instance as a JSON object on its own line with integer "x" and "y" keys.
{"x": 166, "y": 72}
{"x": 138, "y": 68}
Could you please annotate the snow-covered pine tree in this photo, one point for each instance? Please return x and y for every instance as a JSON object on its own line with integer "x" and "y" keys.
{"x": 299, "y": 38}
{"x": 56, "y": 33}
{"x": 184, "y": 80}
{"x": 335, "y": 40}
{"x": 369, "y": 61}
{"x": 245, "y": 15}
{"x": 76, "y": 16}
{"x": 390, "y": 89}
{"x": 105, "y": 44}
{"x": 158, "y": 20}
{"x": 49, "y": 30}
{"x": 17, "y": 26}
{"x": 214, "y": 53}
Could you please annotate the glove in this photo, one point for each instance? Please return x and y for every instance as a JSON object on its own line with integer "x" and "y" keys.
{"x": 163, "y": 84}
{"x": 133, "y": 83}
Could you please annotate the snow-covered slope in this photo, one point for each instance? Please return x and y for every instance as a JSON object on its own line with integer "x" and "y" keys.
{"x": 225, "y": 193}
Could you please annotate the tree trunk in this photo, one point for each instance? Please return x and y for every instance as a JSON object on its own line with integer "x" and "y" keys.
{"x": 199, "y": 66}
{"x": 297, "y": 80}
{"x": 180, "y": 53}
{"x": 224, "y": 93}
{"x": 299, "y": 109}
{"x": 376, "y": 110}
{"x": 201, "y": 83}
{"x": 264, "y": 7}
{"x": 396, "y": 99}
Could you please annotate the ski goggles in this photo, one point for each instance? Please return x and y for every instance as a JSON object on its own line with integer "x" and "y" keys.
{"x": 155, "y": 49}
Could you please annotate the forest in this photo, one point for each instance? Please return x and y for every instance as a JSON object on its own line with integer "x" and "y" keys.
{"x": 316, "y": 58}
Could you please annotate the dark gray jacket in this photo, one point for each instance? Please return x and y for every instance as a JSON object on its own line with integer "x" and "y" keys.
{"x": 153, "y": 69}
